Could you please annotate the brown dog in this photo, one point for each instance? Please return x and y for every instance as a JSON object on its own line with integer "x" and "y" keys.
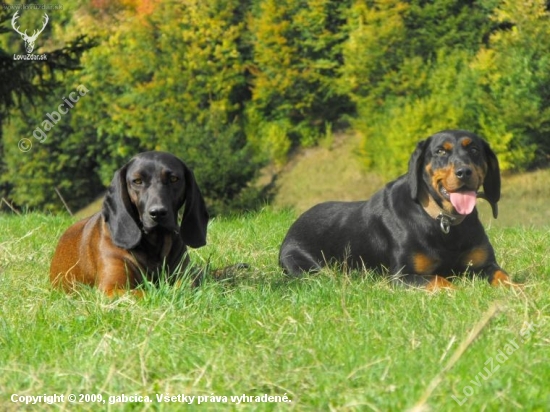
{"x": 137, "y": 234}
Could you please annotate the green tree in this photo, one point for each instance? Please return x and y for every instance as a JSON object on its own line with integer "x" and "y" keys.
{"x": 445, "y": 64}
{"x": 296, "y": 56}
{"x": 184, "y": 91}
{"x": 165, "y": 78}
{"x": 514, "y": 83}
{"x": 26, "y": 87}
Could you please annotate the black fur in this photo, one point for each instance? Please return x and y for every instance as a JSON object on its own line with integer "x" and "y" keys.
{"x": 392, "y": 230}
{"x": 145, "y": 196}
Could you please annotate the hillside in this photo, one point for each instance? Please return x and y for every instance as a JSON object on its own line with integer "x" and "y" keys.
{"x": 335, "y": 173}
{"x": 328, "y": 172}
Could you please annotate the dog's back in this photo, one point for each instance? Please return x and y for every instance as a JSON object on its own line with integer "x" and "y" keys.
{"x": 320, "y": 237}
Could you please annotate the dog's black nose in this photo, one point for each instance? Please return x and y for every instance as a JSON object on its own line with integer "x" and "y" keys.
{"x": 157, "y": 212}
{"x": 463, "y": 172}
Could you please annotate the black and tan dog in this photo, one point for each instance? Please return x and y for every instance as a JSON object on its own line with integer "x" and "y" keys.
{"x": 137, "y": 233}
{"x": 423, "y": 227}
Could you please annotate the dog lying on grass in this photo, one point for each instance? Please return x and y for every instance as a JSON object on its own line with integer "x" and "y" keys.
{"x": 423, "y": 227}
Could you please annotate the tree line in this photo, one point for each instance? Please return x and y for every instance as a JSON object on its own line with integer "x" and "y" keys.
{"x": 232, "y": 85}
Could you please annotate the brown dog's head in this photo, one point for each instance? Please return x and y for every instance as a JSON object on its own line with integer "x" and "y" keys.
{"x": 145, "y": 196}
{"x": 453, "y": 165}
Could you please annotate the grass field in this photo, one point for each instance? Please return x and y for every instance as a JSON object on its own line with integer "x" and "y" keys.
{"x": 329, "y": 342}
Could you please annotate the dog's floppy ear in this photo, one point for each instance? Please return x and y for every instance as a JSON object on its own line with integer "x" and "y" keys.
{"x": 491, "y": 184}
{"x": 195, "y": 216}
{"x": 415, "y": 168}
{"x": 119, "y": 214}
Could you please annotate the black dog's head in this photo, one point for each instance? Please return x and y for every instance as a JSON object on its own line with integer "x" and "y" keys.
{"x": 453, "y": 165}
{"x": 145, "y": 196}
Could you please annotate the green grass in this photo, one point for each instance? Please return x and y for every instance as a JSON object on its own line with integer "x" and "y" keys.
{"x": 329, "y": 342}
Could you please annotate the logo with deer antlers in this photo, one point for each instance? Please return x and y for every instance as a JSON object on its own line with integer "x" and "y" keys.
{"x": 29, "y": 40}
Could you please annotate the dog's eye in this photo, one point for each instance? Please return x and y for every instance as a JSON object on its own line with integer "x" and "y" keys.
{"x": 474, "y": 150}
{"x": 174, "y": 179}
{"x": 441, "y": 152}
{"x": 137, "y": 181}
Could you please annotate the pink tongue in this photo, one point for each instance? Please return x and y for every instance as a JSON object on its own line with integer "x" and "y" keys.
{"x": 463, "y": 202}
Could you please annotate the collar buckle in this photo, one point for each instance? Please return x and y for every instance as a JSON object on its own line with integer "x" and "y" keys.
{"x": 445, "y": 222}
